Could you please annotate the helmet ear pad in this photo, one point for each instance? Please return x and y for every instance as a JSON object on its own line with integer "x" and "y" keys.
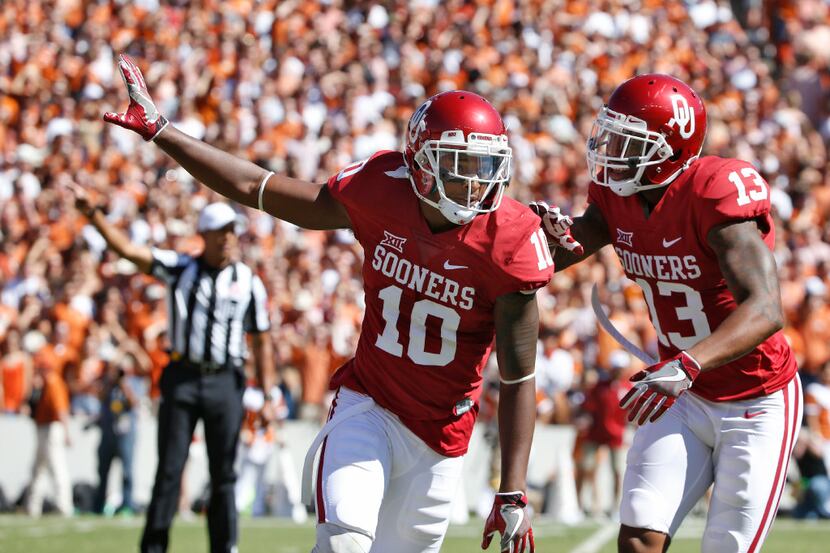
{"x": 427, "y": 183}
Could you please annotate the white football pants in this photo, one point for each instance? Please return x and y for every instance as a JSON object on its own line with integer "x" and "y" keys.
{"x": 743, "y": 447}
{"x": 378, "y": 479}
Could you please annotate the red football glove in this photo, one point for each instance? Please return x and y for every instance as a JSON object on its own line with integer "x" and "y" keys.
{"x": 141, "y": 115}
{"x": 511, "y": 518}
{"x": 658, "y": 386}
{"x": 557, "y": 226}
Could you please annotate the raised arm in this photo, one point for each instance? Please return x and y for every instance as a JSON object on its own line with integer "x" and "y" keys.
{"x": 115, "y": 238}
{"x": 305, "y": 204}
{"x": 749, "y": 268}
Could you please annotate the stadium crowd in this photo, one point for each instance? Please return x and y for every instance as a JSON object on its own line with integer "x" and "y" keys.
{"x": 307, "y": 87}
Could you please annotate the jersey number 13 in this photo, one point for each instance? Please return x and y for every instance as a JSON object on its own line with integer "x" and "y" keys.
{"x": 692, "y": 312}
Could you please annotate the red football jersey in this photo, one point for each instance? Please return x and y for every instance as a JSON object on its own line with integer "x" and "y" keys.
{"x": 428, "y": 327}
{"x": 668, "y": 256}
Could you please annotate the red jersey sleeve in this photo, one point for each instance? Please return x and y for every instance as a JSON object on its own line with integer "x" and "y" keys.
{"x": 354, "y": 187}
{"x": 734, "y": 191}
{"x": 524, "y": 262}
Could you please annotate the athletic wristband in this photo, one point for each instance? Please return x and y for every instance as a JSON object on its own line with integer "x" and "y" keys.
{"x": 262, "y": 189}
{"x": 518, "y": 380}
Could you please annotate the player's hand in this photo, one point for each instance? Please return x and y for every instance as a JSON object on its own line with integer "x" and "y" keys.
{"x": 557, "y": 226}
{"x": 141, "y": 115}
{"x": 83, "y": 203}
{"x": 511, "y": 518}
{"x": 658, "y": 386}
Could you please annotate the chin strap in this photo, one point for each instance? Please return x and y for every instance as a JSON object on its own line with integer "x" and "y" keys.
{"x": 454, "y": 214}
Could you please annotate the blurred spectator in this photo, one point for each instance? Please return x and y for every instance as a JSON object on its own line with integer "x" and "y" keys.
{"x": 117, "y": 421}
{"x": 51, "y": 414}
{"x": 817, "y": 411}
{"x": 604, "y": 424}
{"x": 554, "y": 377}
{"x": 256, "y": 446}
{"x": 259, "y": 440}
{"x": 814, "y": 484}
{"x": 15, "y": 374}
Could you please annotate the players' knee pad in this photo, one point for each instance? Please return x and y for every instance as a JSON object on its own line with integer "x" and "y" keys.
{"x": 336, "y": 539}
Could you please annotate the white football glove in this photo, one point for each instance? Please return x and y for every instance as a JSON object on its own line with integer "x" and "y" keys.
{"x": 557, "y": 227}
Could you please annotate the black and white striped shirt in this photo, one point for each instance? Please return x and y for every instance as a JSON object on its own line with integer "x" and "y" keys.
{"x": 210, "y": 310}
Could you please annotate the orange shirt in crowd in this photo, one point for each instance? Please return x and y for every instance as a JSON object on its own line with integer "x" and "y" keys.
{"x": 816, "y": 332}
{"x": 817, "y": 408}
{"x": 252, "y": 424}
{"x": 55, "y": 357}
{"x": 54, "y": 401}
{"x": 314, "y": 362}
{"x": 13, "y": 377}
{"x": 77, "y": 323}
{"x": 159, "y": 359}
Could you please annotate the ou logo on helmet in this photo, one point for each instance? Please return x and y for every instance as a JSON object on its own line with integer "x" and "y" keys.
{"x": 684, "y": 116}
{"x": 417, "y": 124}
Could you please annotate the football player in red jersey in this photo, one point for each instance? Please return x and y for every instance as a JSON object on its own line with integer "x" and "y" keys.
{"x": 695, "y": 233}
{"x": 450, "y": 265}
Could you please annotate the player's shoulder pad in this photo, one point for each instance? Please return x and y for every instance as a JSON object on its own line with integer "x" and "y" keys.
{"x": 727, "y": 189}
{"x": 729, "y": 180}
{"x": 386, "y": 162}
{"x": 366, "y": 178}
{"x": 519, "y": 249}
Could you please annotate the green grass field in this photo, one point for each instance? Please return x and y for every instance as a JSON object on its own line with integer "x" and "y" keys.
{"x": 19, "y": 534}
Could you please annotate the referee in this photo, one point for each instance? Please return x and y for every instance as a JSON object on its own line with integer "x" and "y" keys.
{"x": 213, "y": 301}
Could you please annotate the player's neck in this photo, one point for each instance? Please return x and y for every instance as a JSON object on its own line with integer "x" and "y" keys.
{"x": 650, "y": 198}
{"x": 435, "y": 220}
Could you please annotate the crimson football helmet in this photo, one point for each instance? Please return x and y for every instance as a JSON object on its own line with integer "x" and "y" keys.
{"x": 650, "y": 131}
{"x": 456, "y": 140}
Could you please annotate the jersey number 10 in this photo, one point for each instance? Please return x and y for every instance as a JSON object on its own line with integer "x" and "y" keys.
{"x": 388, "y": 340}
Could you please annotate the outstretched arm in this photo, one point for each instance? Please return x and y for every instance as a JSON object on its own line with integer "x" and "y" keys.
{"x": 749, "y": 268}
{"x": 572, "y": 240}
{"x": 116, "y": 239}
{"x": 305, "y": 204}
{"x": 591, "y": 231}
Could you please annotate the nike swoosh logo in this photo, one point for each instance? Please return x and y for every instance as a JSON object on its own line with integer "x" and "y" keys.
{"x": 676, "y": 377}
{"x": 671, "y": 243}
{"x": 399, "y": 173}
{"x": 513, "y": 518}
{"x": 748, "y": 415}
{"x": 449, "y": 266}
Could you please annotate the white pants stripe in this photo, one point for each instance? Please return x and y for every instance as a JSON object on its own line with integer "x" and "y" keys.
{"x": 792, "y": 423}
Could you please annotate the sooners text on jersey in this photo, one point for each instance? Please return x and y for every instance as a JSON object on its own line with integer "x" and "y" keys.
{"x": 428, "y": 327}
{"x": 668, "y": 256}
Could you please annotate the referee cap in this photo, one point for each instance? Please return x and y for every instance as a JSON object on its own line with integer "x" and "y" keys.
{"x": 216, "y": 216}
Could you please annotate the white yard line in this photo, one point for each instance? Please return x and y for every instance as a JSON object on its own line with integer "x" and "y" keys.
{"x": 595, "y": 541}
